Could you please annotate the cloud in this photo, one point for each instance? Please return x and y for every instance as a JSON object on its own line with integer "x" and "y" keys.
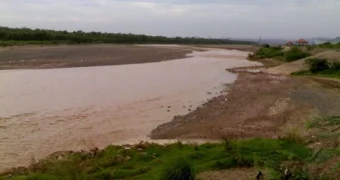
{"x": 207, "y": 18}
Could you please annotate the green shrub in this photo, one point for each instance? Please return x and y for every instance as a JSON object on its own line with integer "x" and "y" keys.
{"x": 335, "y": 65}
{"x": 268, "y": 52}
{"x": 295, "y": 54}
{"x": 251, "y": 56}
{"x": 266, "y": 46}
{"x": 181, "y": 169}
{"x": 316, "y": 65}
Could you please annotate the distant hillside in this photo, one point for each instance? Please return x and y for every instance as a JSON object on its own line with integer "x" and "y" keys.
{"x": 12, "y": 36}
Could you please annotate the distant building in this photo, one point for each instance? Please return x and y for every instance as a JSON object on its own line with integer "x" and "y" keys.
{"x": 317, "y": 42}
{"x": 336, "y": 40}
{"x": 289, "y": 43}
{"x": 302, "y": 42}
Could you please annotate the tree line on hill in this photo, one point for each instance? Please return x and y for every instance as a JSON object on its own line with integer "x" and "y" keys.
{"x": 43, "y": 36}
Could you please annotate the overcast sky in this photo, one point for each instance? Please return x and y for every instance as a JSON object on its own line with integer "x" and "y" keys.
{"x": 205, "y": 18}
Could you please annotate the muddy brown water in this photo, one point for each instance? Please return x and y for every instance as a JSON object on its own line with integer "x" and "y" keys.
{"x": 44, "y": 111}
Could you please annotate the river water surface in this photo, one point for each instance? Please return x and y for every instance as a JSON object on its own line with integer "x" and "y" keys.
{"x": 44, "y": 111}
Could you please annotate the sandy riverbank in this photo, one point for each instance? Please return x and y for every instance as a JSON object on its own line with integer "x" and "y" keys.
{"x": 257, "y": 105}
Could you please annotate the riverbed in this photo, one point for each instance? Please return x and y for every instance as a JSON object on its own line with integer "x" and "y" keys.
{"x": 48, "y": 110}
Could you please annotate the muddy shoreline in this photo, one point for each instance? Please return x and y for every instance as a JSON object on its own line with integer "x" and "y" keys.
{"x": 257, "y": 105}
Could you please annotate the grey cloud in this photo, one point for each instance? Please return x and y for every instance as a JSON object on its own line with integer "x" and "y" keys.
{"x": 207, "y": 18}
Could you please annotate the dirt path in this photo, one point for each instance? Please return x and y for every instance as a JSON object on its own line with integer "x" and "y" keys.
{"x": 257, "y": 105}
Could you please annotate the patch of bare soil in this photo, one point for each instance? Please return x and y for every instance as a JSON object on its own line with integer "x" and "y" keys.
{"x": 36, "y": 57}
{"x": 257, "y": 105}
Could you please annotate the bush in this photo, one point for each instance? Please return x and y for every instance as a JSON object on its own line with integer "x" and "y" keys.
{"x": 295, "y": 54}
{"x": 268, "y": 52}
{"x": 335, "y": 66}
{"x": 181, "y": 169}
{"x": 266, "y": 46}
{"x": 250, "y": 56}
{"x": 317, "y": 65}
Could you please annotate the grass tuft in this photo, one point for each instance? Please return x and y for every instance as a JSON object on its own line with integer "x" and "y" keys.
{"x": 180, "y": 169}
{"x": 292, "y": 135}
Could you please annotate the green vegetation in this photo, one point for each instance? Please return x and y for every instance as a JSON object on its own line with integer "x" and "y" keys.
{"x": 267, "y": 52}
{"x": 321, "y": 67}
{"x": 289, "y": 155}
{"x": 324, "y": 122}
{"x": 325, "y": 158}
{"x": 329, "y": 129}
{"x": 181, "y": 168}
{"x": 328, "y": 45}
{"x": 22, "y": 36}
{"x": 295, "y": 54}
{"x": 152, "y": 161}
{"x": 276, "y": 52}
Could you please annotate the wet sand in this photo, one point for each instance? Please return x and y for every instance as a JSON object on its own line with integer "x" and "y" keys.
{"x": 49, "y": 110}
{"x": 62, "y": 56}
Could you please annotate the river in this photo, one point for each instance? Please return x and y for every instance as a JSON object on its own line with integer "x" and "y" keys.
{"x": 49, "y": 110}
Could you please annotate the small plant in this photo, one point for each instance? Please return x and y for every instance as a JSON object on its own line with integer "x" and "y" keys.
{"x": 180, "y": 169}
{"x": 292, "y": 135}
{"x": 228, "y": 144}
{"x": 251, "y": 56}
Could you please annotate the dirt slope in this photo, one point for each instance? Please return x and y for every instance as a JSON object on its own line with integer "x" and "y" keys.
{"x": 300, "y": 65}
